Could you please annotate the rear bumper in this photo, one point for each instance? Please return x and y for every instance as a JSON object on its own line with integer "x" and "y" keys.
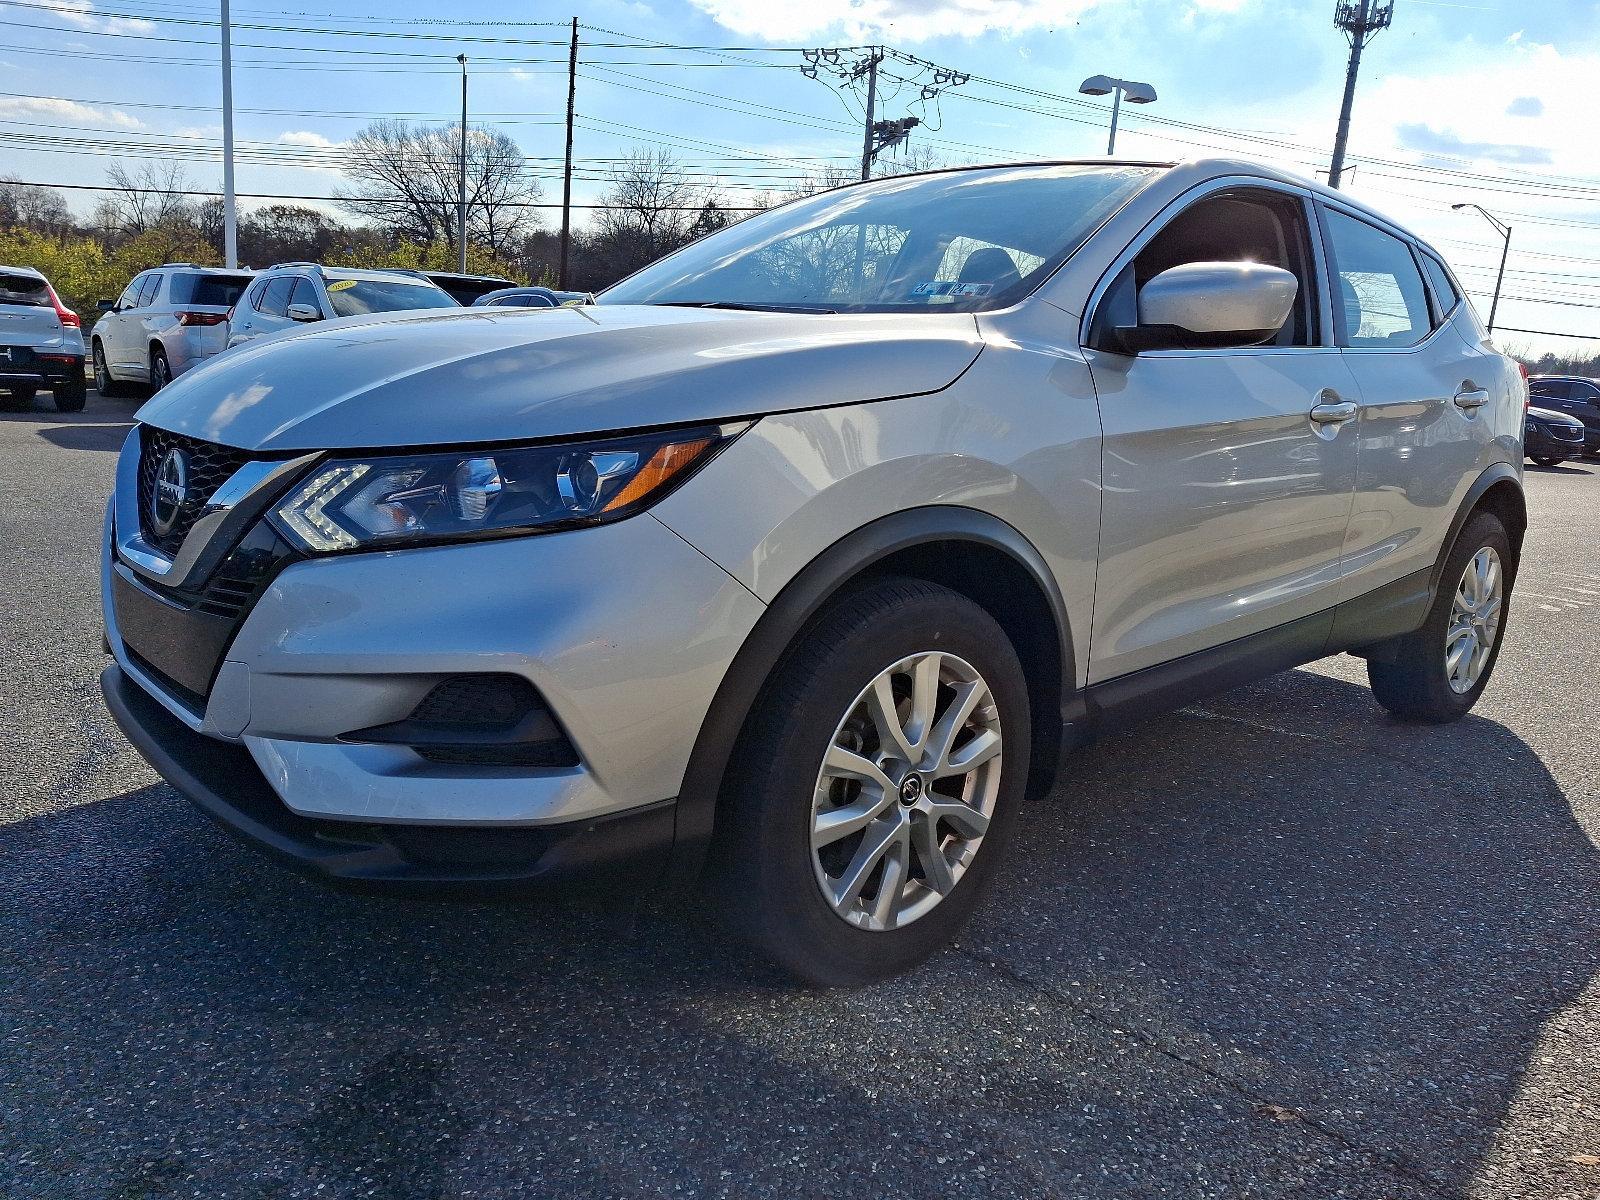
{"x": 42, "y": 372}
{"x": 626, "y": 850}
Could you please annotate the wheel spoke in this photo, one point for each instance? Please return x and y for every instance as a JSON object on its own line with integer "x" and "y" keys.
{"x": 925, "y": 841}
{"x": 879, "y": 840}
{"x": 978, "y": 750}
{"x": 924, "y": 698}
{"x": 846, "y": 764}
{"x": 892, "y": 883}
{"x": 949, "y": 727}
{"x": 841, "y": 822}
{"x": 1459, "y": 655}
{"x": 886, "y": 719}
{"x": 968, "y": 821}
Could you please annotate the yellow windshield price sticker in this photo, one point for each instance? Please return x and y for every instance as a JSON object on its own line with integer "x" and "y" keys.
{"x": 342, "y": 286}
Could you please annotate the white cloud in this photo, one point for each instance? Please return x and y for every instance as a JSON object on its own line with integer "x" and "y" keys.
{"x": 82, "y": 14}
{"x": 30, "y": 108}
{"x": 304, "y": 137}
{"x": 904, "y": 20}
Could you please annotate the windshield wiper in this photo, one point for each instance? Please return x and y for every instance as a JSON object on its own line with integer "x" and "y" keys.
{"x": 742, "y": 306}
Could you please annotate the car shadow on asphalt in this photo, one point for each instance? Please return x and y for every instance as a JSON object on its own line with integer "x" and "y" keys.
{"x": 1562, "y": 468}
{"x": 1277, "y": 940}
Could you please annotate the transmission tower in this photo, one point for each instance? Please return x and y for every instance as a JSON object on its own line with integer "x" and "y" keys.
{"x": 852, "y": 67}
{"x": 1360, "y": 20}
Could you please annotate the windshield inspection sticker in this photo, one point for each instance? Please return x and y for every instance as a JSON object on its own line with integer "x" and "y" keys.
{"x": 933, "y": 287}
{"x": 342, "y": 285}
{"x": 972, "y": 289}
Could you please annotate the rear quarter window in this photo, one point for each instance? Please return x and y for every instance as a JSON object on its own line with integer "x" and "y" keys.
{"x": 220, "y": 290}
{"x": 23, "y": 289}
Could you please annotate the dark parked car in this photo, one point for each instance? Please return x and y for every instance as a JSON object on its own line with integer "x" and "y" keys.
{"x": 464, "y": 289}
{"x": 531, "y": 297}
{"x": 1574, "y": 396}
{"x": 1549, "y": 437}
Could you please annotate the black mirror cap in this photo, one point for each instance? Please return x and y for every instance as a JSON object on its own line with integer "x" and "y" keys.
{"x": 1137, "y": 339}
{"x": 106, "y": 305}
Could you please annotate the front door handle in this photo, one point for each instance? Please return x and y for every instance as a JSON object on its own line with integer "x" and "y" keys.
{"x": 1333, "y": 412}
{"x": 1472, "y": 399}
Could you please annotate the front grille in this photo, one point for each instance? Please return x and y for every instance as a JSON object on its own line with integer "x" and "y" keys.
{"x": 1568, "y": 433}
{"x": 209, "y": 467}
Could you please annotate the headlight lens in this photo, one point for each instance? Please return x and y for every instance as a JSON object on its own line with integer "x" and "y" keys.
{"x": 356, "y": 503}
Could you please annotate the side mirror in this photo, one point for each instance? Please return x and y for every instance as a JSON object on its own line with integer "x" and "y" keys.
{"x": 106, "y": 305}
{"x": 1205, "y": 305}
{"x": 303, "y": 312}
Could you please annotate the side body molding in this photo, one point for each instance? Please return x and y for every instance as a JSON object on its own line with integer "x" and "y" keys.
{"x": 848, "y": 559}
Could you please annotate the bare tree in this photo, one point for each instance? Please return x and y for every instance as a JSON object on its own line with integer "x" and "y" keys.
{"x": 404, "y": 177}
{"x": 145, "y": 198}
{"x": 651, "y": 208}
{"x": 34, "y": 207}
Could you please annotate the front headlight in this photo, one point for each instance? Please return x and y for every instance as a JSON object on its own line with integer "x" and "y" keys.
{"x": 357, "y": 503}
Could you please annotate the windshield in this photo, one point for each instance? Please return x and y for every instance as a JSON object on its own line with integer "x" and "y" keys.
{"x": 952, "y": 241}
{"x": 353, "y": 297}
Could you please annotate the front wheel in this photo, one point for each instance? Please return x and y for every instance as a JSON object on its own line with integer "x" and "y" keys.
{"x": 1437, "y": 673}
{"x": 873, "y": 789}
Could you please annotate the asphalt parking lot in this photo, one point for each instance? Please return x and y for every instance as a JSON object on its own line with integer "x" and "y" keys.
{"x": 1275, "y": 945}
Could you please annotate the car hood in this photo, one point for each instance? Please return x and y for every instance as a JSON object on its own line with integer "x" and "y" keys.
{"x": 442, "y": 377}
{"x": 1554, "y": 417}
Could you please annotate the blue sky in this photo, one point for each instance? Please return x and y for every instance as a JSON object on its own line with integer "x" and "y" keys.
{"x": 1476, "y": 100}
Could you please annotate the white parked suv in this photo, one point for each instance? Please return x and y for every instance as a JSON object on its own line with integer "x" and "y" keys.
{"x": 802, "y": 554}
{"x": 168, "y": 320}
{"x": 41, "y": 343}
{"x": 293, "y": 294}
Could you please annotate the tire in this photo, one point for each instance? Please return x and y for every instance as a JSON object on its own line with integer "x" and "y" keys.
{"x": 71, "y": 395}
{"x": 1544, "y": 461}
{"x": 770, "y": 880}
{"x": 18, "y": 399}
{"x": 160, "y": 370}
{"x": 104, "y": 382}
{"x": 1415, "y": 684}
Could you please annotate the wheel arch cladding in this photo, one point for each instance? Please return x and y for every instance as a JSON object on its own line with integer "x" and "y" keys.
{"x": 970, "y": 552}
{"x": 1497, "y": 491}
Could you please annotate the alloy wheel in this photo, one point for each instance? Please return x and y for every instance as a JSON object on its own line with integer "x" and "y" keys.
{"x": 102, "y": 376}
{"x": 1474, "y": 620}
{"x": 906, "y": 791}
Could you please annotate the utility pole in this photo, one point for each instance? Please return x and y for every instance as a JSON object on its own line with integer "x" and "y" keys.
{"x": 461, "y": 178}
{"x": 1359, "y": 19}
{"x": 230, "y": 212}
{"x": 870, "y": 67}
{"x": 566, "y": 177}
{"x": 848, "y": 66}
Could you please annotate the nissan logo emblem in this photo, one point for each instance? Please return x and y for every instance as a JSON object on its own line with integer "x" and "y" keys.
{"x": 172, "y": 489}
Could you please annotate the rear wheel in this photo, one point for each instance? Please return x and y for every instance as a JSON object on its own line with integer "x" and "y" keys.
{"x": 17, "y": 399}
{"x": 1437, "y": 673}
{"x": 71, "y": 394}
{"x": 873, "y": 790}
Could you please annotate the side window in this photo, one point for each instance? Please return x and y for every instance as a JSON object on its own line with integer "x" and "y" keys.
{"x": 1586, "y": 392}
{"x": 275, "y": 300}
{"x": 1550, "y": 389}
{"x": 1380, "y": 289}
{"x": 257, "y": 290}
{"x": 151, "y": 287}
{"x": 130, "y": 294}
{"x": 1247, "y": 225}
{"x": 305, "y": 292}
{"x": 1444, "y": 291}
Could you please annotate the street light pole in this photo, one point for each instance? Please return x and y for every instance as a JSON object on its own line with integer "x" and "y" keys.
{"x": 1105, "y": 85}
{"x": 1505, "y": 251}
{"x": 461, "y": 179}
{"x": 230, "y": 212}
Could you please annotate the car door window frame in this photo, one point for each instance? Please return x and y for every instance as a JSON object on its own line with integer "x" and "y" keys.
{"x": 1322, "y": 335}
{"x": 131, "y": 293}
{"x": 1341, "y": 329}
{"x": 313, "y": 296}
{"x": 1442, "y": 312}
{"x": 147, "y": 296}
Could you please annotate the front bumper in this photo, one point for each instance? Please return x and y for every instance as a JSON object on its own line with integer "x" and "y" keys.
{"x": 627, "y": 849}
{"x": 1537, "y": 442}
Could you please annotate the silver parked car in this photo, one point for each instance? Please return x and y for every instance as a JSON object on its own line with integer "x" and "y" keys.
{"x": 167, "y": 320}
{"x": 289, "y": 295}
{"x": 803, "y": 553}
{"x": 41, "y": 342}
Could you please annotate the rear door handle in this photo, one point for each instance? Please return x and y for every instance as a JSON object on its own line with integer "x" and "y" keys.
{"x": 1469, "y": 400}
{"x": 1333, "y": 412}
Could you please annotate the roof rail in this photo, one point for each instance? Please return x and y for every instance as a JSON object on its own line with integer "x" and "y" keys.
{"x": 274, "y": 266}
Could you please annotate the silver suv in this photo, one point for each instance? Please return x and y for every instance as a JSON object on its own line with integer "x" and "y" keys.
{"x": 41, "y": 343}
{"x": 794, "y": 563}
{"x": 167, "y": 320}
{"x": 293, "y": 294}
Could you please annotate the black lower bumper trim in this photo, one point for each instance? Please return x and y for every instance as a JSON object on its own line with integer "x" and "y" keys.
{"x": 626, "y": 850}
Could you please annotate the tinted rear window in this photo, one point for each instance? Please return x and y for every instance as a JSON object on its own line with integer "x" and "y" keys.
{"x": 221, "y": 290}
{"x": 353, "y": 297}
{"x": 23, "y": 289}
